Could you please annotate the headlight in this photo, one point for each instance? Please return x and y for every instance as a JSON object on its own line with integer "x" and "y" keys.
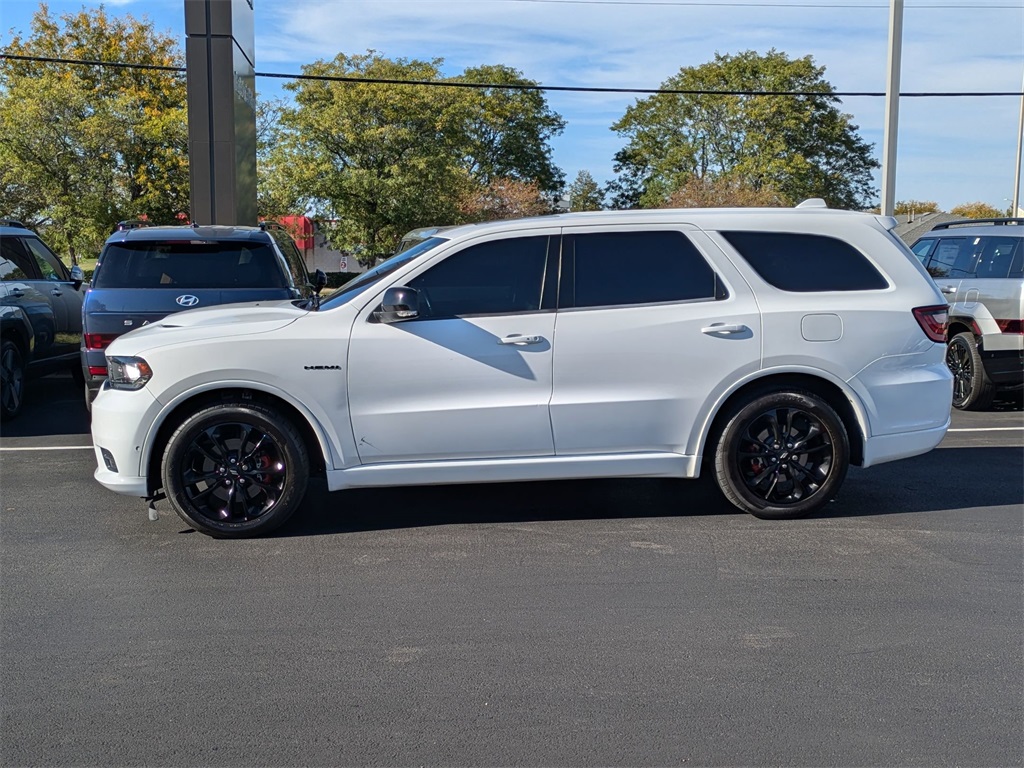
{"x": 128, "y": 372}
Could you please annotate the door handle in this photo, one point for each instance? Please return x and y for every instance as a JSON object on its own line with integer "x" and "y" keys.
{"x": 55, "y": 292}
{"x": 948, "y": 289}
{"x": 519, "y": 341}
{"x": 17, "y": 293}
{"x": 724, "y": 329}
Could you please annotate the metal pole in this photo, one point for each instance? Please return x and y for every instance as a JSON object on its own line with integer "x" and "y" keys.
{"x": 892, "y": 107}
{"x": 1020, "y": 148}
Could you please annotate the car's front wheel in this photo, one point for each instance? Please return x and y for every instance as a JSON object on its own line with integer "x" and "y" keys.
{"x": 235, "y": 469}
{"x": 782, "y": 455}
{"x": 972, "y": 391}
{"x": 12, "y": 379}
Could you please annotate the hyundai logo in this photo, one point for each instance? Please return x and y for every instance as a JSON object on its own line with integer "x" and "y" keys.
{"x": 187, "y": 300}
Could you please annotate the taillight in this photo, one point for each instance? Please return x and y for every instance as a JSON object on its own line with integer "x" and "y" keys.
{"x": 99, "y": 340}
{"x": 97, "y": 370}
{"x": 1010, "y": 326}
{"x": 933, "y": 321}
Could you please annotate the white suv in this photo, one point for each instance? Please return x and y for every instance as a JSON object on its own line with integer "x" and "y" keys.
{"x": 775, "y": 347}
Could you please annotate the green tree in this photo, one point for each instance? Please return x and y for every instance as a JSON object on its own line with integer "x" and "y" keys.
{"x": 82, "y": 147}
{"x": 977, "y": 211}
{"x": 379, "y": 159}
{"x": 508, "y": 130}
{"x": 799, "y": 146}
{"x": 585, "y": 194}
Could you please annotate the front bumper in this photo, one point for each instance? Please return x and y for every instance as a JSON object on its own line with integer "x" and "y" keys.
{"x": 121, "y": 424}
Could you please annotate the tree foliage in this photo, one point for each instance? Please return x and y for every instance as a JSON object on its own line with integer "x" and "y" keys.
{"x": 379, "y": 159}
{"x": 82, "y": 147}
{"x": 504, "y": 198}
{"x": 798, "y": 145}
{"x": 723, "y": 192}
{"x": 585, "y": 194}
{"x": 977, "y": 211}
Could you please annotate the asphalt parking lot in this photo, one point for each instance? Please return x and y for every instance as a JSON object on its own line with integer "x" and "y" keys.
{"x": 631, "y": 622}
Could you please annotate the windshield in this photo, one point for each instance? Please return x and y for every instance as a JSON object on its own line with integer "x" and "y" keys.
{"x": 357, "y": 285}
{"x": 184, "y": 264}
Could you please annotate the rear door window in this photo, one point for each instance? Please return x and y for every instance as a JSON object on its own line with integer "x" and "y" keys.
{"x": 802, "y": 263}
{"x": 184, "y": 264}
{"x": 604, "y": 269}
{"x": 998, "y": 257}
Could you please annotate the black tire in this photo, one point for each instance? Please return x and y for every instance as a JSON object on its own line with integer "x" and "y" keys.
{"x": 782, "y": 455}
{"x": 12, "y": 379}
{"x": 972, "y": 390}
{"x": 235, "y": 469}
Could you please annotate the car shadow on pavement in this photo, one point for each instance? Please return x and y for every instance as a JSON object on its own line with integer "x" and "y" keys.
{"x": 948, "y": 478}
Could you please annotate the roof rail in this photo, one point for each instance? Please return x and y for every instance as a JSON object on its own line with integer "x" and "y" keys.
{"x": 11, "y": 223}
{"x": 1005, "y": 221}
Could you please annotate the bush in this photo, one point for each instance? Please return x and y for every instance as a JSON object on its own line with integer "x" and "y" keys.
{"x": 338, "y": 279}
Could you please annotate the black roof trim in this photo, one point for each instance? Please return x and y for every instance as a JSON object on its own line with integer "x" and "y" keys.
{"x": 972, "y": 222}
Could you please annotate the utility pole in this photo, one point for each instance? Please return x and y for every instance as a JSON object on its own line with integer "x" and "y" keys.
{"x": 892, "y": 107}
{"x": 1020, "y": 147}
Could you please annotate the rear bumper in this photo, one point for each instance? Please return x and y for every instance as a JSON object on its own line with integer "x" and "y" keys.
{"x": 882, "y": 448}
{"x": 1004, "y": 368}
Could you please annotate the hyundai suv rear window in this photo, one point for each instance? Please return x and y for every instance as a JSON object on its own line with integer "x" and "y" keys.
{"x": 182, "y": 264}
{"x": 806, "y": 263}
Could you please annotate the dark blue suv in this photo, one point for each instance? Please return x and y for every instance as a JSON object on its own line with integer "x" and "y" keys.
{"x": 145, "y": 273}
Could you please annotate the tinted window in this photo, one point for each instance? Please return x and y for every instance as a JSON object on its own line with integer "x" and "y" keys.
{"x": 49, "y": 265}
{"x": 499, "y": 277}
{"x": 804, "y": 263}
{"x": 182, "y": 264}
{"x": 950, "y": 257}
{"x": 296, "y": 264}
{"x": 620, "y": 268}
{"x": 15, "y": 261}
{"x": 998, "y": 257}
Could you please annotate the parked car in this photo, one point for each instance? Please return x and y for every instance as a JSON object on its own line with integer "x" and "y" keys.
{"x": 979, "y": 267}
{"x": 771, "y": 348}
{"x": 145, "y": 273}
{"x": 40, "y": 313}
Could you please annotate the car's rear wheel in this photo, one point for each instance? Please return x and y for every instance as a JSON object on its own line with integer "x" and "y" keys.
{"x": 782, "y": 455}
{"x": 235, "y": 469}
{"x": 972, "y": 390}
{"x": 12, "y": 379}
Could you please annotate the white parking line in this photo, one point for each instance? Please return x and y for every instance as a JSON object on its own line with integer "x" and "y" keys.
{"x": 987, "y": 429}
{"x": 49, "y": 448}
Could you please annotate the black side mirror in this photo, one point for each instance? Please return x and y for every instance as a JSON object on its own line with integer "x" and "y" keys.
{"x": 400, "y": 303}
{"x": 77, "y": 276}
{"x": 319, "y": 281}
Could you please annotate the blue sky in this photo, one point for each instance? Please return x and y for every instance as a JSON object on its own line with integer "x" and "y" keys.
{"x": 950, "y": 150}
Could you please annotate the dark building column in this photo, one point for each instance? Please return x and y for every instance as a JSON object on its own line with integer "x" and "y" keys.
{"x": 220, "y": 61}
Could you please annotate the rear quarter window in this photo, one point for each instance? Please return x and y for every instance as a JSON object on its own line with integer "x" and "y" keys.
{"x": 803, "y": 263}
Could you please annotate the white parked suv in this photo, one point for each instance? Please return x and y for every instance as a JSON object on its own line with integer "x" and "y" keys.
{"x": 770, "y": 347}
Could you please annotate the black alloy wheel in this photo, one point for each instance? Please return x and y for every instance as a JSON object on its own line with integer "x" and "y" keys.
{"x": 972, "y": 391}
{"x": 238, "y": 469}
{"x": 12, "y": 379}
{"x": 782, "y": 455}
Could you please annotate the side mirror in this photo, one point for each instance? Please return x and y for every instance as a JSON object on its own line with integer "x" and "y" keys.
{"x": 319, "y": 281}
{"x": 400, "y": 303}
{"x": 77, "y": 276}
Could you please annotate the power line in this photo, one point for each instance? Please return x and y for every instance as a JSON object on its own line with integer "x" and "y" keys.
{"x": 705, "y": 4}
{"x": 517, "y": 86}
